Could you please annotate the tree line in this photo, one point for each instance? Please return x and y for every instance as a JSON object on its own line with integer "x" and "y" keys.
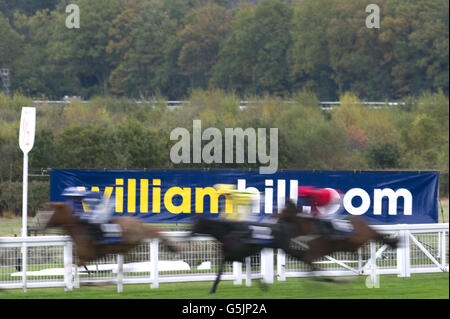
{"x": 118, "y": 133}
{"x": 168, "y": 48}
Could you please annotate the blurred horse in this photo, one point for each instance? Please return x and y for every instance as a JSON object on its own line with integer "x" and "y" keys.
{"x": 356, "y": 234}
{"x": 87, "y": 249}
{"x": 240, "y": 239}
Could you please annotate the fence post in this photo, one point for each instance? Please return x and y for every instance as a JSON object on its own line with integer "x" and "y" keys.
{"x": 359, "y": 260}
{"x": 154, "y": 255}
{"x": 373, "y": 263}
{"x": 281, "y": 265}
{"x": 24, "y": 265}
{"x": 443, "y": 252}
{"x": 68, "y": 278}
{"x": 237, "y": 272}
{"x": 119, "y": 273}
{"x": 248, "y": 271}
{"x": 403, "y": 255}
{"x": 267, "y": 265}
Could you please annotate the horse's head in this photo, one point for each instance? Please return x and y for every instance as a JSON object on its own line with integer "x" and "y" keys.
{"x": 60, "y": 216}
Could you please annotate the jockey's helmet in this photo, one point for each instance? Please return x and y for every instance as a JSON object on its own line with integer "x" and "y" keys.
{"x": 73, "y": 192}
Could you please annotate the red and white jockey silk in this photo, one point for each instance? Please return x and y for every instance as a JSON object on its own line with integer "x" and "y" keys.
{"x": 324, "y": 201}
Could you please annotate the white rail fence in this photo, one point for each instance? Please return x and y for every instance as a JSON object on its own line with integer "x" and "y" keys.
{"x": 50, "y": 261}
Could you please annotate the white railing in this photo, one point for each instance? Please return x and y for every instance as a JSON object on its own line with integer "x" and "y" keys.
{"x": 50, "y": 261}
{"x": 172, "y": 105}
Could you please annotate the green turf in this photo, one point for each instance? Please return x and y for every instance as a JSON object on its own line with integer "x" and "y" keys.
{"x": 418, "y": 286}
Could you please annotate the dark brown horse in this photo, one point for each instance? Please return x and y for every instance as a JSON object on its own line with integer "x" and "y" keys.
{"x": 133, "y": 232}
{"x": 359, "y": 234}
{"x": 240, "y": 239}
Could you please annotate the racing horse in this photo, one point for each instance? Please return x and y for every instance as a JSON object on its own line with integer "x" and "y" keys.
{"x": 240, "y": 239}
{"x": 347, "y": 235}
{"x": 133, "y": 232}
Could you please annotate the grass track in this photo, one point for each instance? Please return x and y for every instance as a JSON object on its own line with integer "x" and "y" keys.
{"x": 418, "y": 286}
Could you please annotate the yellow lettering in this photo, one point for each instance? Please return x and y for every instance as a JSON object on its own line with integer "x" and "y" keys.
{"x": 119, "y": 196}
{"x": 156, "y": 199}
{"x": 144, "y": 196}
{"x": 131, "y": 198}
{"x": 213, "y": 200}
{"x": 185, "y": 206}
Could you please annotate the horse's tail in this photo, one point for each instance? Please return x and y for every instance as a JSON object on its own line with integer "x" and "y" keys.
{"x": 393, "y": 242}
{"x": 167, "y": 242}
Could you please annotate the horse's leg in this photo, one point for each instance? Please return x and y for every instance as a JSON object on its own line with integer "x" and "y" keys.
{"x": 318, "y": 248}
{"x": 85, "y": 267}
{"x": 219, "y": 274}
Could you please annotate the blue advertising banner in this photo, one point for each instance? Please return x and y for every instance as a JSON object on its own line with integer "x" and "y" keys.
{"x": 176, "y": 196}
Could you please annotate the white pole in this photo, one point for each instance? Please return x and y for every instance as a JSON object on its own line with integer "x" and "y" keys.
{"x": 281, "y": 265}
{"x": 373, "y": 263}
{"x": 26, "y": 141}
{"x": 443, "y": 251}
{"x": 248, "y": 271}
{"x": 267, "y": 265}
{"x": 25, "y": 195}
{"x": 24, "y": 220}
{"x": 68, "y": 278}
{"x": 119, "y": 273}
{"x": 154, "y": 247}
{"x": 237, "y": 272}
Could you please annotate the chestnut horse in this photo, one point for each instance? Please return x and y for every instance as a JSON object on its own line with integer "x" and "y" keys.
{"x": 133, "y": 232}
{"x": 357, "y": 234}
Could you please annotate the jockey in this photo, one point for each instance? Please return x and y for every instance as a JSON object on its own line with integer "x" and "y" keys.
{"x": 244, "y": 222}
{"x": 322, "y": 203}
{"x": 81, "y": 200}
{"x": 242, "y": 202}
{"x": 95, "y": 210}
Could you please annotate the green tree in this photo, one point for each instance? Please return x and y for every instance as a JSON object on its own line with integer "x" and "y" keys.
{"x": 82, "y": 52}
{"x": 253, "y": 58}
{"x": 86, "y": 146}
{"x": 414, "y": 35}
{"x": 148, "y": 67}
{"x": 43, "y": 153}
{"x": 355, "y": 54}
{"x": 383, "y": 156}
{"x": 205, "y": 28}
{"x": 11, "y": 45}
{"x": 10, "y": 7}
{"x": 309, "y": 56}
{"x": 38, "y": 77}
{"x": 138, "y": 146}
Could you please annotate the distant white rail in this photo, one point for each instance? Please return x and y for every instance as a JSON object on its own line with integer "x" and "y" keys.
{"x": 172, "y": 105}
{"x": 50, "y": 260}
